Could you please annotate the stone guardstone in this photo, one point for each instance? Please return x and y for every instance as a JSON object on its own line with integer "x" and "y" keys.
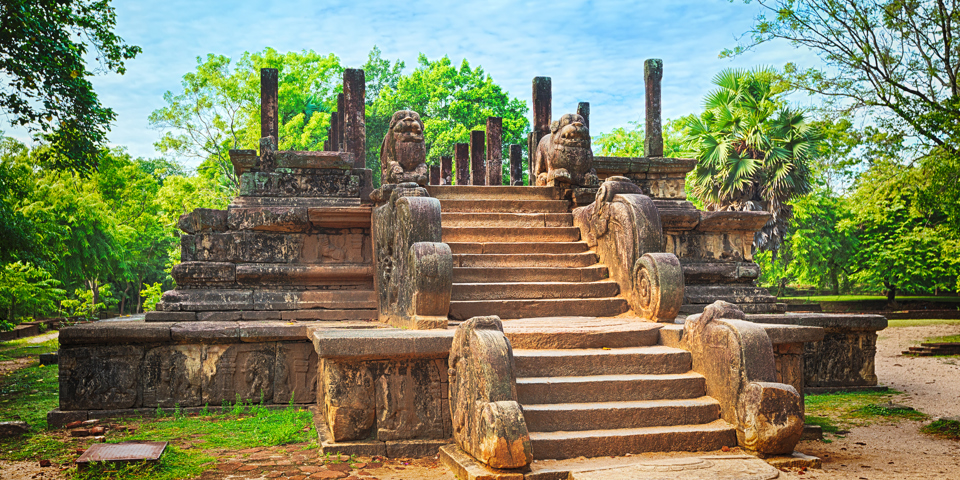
{"x": 296, "y": 373}
{"x": 408, "y": 396}
{"x": 99, "y": 378}
{"x": 348, "y": 399}
{"x": 238, "y": 372}
{"x": 739, "y": 467}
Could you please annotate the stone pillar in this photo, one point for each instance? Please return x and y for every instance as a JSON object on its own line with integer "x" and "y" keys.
{"x": 583, "y": 109}
{"x": 494, "y": 151}
{"x": 652, "y": 74}
{"x": 477, "y": 168}
{"x": 269, "y": 106}
{"x": 334, "y": 137}
{"x": 542, "y": 105}
{"x": 461, "y": 159}
{"x": 516, "y": 165}
{"x": 434, "y": 175}
{"x": 445, "y": 170}
{"x": 355, "y": 130}
{"x": 340, "y": 110}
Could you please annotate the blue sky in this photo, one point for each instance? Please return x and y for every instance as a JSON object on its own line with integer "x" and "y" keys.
{"x": 594, "y": 51}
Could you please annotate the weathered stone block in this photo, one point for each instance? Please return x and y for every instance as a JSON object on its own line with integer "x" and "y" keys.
{"x": 170, "y": 316}
{"x": 737, "y": 246}
{"x": 239, "y": 372}
{"x": 215, "y": 247}
{"x": 170, "y": 376}
{"x": 343, "y": 247}
{"x": 263, "y": 247}
{"x": 230, "y": 316}
{"x": 409, "y": 401}
{"x": 270, "y": 219}
{"x": 204, "y": 273}
{"x": 203, "y": 220}
{"x": 348, "y": 398}
{"x": 330, "y": 183}
{"x": 99, "y": 378}
{"x": 205, "y": 332}
{"x": 198, "y": 300}
{"x": 115, "y": 333}
{"x": 296, "y": 373}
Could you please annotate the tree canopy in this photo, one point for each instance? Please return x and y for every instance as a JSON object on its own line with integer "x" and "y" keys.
{"x": 44, "y": 85}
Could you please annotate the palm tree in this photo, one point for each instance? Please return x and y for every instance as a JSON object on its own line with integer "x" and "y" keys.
{"x": 753, "y": 150}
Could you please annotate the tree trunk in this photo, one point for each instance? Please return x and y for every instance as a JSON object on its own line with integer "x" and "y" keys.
{"x": 95, "y": 288}
{"x": 835, "y": 280}
{"x": 139, "y": 297}
{"x": 891, "y": 292}
{"x": 123, "y": 300}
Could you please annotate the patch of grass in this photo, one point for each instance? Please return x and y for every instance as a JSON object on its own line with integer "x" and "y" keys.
{"x": 859, "y": 298}
{"x": 28, "y": 394}
{"x": 21, "y": 348}
{"x": 921, "y": 322}
{"x": 835, "y": 412}
{"x": 173, "y": 464}
{"x": 943, "y": 428}
{"x": 944, "y": 339}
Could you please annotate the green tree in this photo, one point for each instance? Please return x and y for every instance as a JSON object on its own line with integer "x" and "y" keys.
{"x": 628, "y": 142}
{"x": 44, "y": 45}
{"x": 219, "y": 107}
{"x": 452, "y": 102}
{"x": 753, "y": 150}
{"x": 897, "y": 60}
{"x": 27, "y": 290}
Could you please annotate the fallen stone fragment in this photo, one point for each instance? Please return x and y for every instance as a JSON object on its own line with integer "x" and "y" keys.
{"x": 13, "y": 429}
{"x": 74, "y": 424}
{"x": 98, "y": 430}
{"x": 44, "y": 463}
{"x": 80, "y": 432}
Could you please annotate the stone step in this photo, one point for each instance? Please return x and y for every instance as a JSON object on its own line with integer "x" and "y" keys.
{"x": 609, "y": 388}
{"x": 491, "y": 192}
{"x": 524, "y": 308}
{"x": 655, "y": 360}
{"x": 533, "y": 290}
{"x": 583, "y": 259}
{"x": 510, "y": 234}
{"x": 457, "y": 219}
{"x": 505, "y": 206}
{"x": 616, "y": 415}
{"x": 529, "y": 274}
{"x": 518, "y": 247}
{"x": 580, "y": 333}
{"x": 596, "y": 443}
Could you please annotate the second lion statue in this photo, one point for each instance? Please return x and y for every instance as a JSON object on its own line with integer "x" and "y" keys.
{"x": 403, "y": 155}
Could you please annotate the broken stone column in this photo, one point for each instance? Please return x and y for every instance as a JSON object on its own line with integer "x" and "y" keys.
{"x": 354, "y": 96}
{"x": 269, "y": 106}
{"x": 494, "y": 151}
{"x": 477, "y": 158}
{"x": 334, "y": 137}
{"x": 516, "y": 165}
{"x": 583, "y": 109}
{"x": 340, "y": 119}
{"x": 542, "y": 105}
{"x": 653, "y": 141}
{"x": 446, "y": 170}
{"x": 435, "y": 175}
{"x": 461, "y": 154}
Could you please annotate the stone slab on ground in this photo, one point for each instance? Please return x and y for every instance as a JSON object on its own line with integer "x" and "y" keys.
{"x": 795, "y": 460}
{"x": 466, "y": 467}
{"x": 740, "y": 467}
{"x": 580, "y": 332}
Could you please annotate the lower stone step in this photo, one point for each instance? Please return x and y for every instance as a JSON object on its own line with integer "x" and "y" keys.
{"x": 601, "y": 443}
{"x": 518, "y": 247}
{"x": 615, "y": 415}
{"x": 534, "y": 290}
{"x": 580, "y": 333}
{"x": 510, "y": 234}
{"x": 505, "y": 206}
{"x": 583, "y": 259}
{"x": 529, "y": 274}
{"x": 507, "y": 309}
{"x": 609, "y": 388}
{"x": 654, "y": 360}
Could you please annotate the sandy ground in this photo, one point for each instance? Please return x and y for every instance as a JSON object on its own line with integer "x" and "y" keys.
{"x": 895, "y": 451}
{"x": 18, "y": 363}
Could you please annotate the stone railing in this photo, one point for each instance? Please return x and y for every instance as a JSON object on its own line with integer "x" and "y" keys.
{"x": 624, "y": 225}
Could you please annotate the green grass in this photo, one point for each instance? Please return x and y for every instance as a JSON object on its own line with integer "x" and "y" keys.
{"x": 173, "y": 464}
{"x": 20, "y": 348}
{"x": 943, "y": 428}
{"x": 858, "y": 298}
{"x": 836, "y": 412}
{"x": 28, "y": 394}
{"x": 921, "y": 322}
{"x": 944, "y": 339}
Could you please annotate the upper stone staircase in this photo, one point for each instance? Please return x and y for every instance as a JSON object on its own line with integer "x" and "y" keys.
{"x": 606, "y": 388}
{"x": 516, "y": 254}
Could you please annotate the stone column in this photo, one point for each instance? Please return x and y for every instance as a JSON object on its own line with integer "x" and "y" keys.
{"x": 446, "y": 170}
{"x": 583, "y": 109}
{"x": 340, "y": 110}
{"x": 355, "y": 131}
{"x": 334, "y": 137}
{"x": 652, "y": 74}
{"x": 434, "y": 175}
{"x": 494, "y": 151}
{"x": 516, "y": 165}
{"x": 542, "y": 105}
{"x": 461, "y": 155}
{"x": 477, "y": 168}
{"x": 269, "y": 106}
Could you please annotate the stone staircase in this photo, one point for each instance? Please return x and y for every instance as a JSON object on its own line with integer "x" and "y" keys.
{"x": 580, "y": 398}
{"x": 516, "y": 254}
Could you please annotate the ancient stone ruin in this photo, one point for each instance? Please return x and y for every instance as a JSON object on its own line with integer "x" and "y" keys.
{"x": 503, "y": 323}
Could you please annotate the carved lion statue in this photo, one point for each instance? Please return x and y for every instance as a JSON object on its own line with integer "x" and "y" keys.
{"x": 403, "y": 155}
{"x": 564, "y": 156}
